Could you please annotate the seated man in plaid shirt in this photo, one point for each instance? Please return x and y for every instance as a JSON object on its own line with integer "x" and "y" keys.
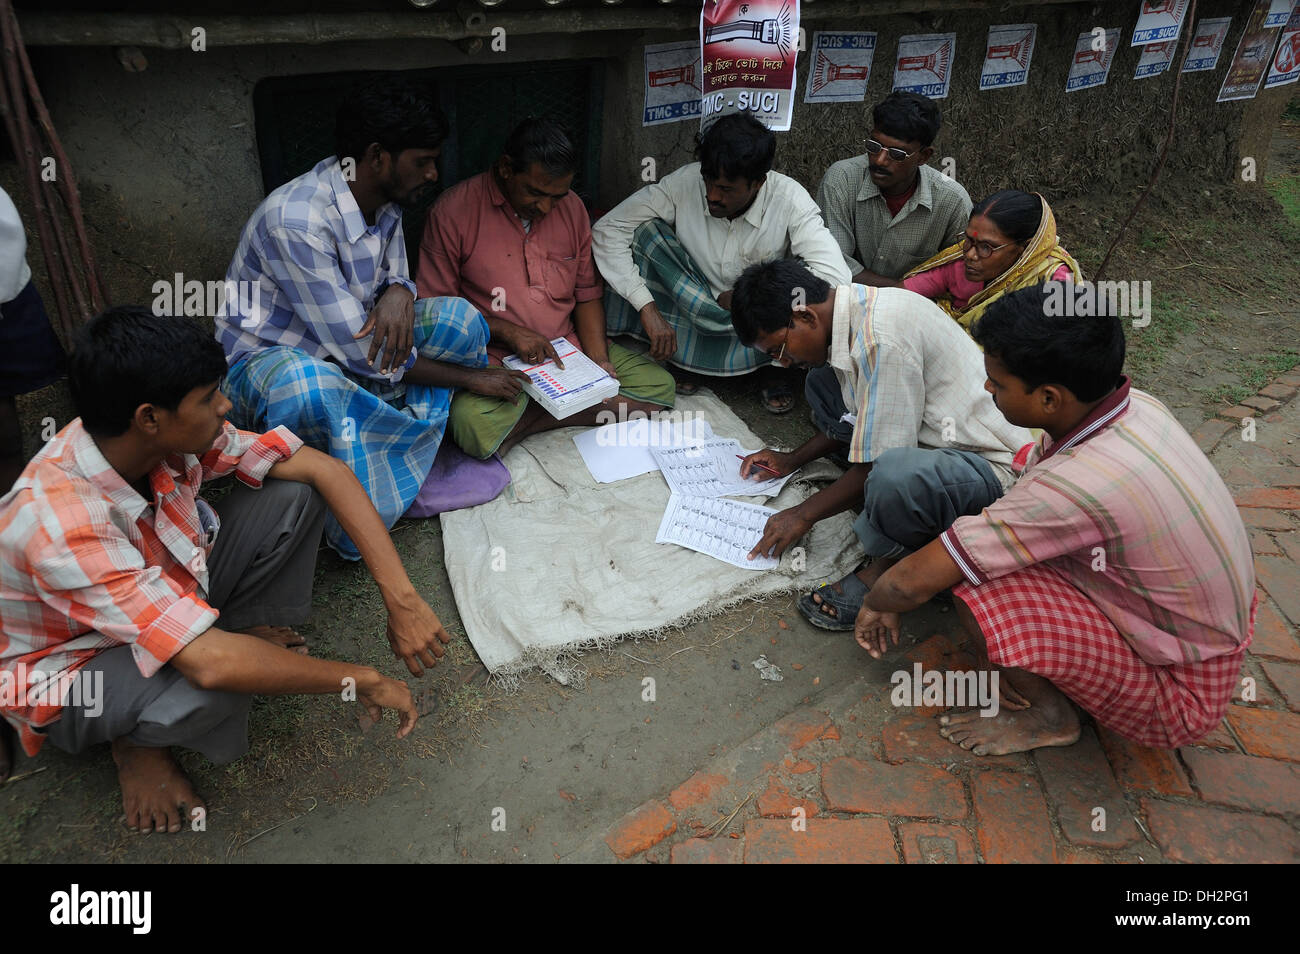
{"x": 114, "y": 572}
{"x": 1115, "y": 573}
{"x": 320, "y": 268}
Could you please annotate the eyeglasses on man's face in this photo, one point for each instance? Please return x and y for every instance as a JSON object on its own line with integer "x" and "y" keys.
{"x": 776, "y": 358}
{"x": 893, "y": 152}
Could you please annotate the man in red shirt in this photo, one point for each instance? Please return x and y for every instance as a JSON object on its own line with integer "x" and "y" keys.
{"x": 113, "y": 570}
{"x": 516, "y": 242}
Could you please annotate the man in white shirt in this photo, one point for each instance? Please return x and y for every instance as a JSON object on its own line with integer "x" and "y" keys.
{"x": 30, "y": 355}
{"x": 671, "y": 253}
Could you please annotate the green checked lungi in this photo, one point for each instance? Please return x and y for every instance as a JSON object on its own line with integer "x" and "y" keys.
{"x": 706, "y": 340}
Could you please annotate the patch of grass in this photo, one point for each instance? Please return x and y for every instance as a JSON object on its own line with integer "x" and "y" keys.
{"x": 1172, "y": 316}
{"x": 1256, "y": 371}
{"x": 1286, "y": 189}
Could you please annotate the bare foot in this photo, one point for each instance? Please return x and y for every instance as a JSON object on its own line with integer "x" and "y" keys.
{"x": 156, "y": 795}
{"x": 284, "y": 636}
{"x": 1047, "y": 722}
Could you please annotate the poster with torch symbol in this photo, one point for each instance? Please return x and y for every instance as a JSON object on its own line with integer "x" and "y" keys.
{"x": 924, "y": 64}
{"x": 1007, "y": 55}
{"x": 840, "y": 67}
{"x": 748, "y": 50}
{"x": 672, "y": 82}
{"x": 1091, "y": 62}
{"x": 1207, "y": 41}
{"x": 1286, "y": 61}
{"x": 1254, "y": 53}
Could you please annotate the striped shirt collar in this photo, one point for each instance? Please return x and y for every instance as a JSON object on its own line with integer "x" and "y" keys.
{"x": 1100, "y": 416}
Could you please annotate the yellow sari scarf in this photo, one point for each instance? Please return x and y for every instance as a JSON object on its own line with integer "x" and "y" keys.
{"x": 1041, "y": 257}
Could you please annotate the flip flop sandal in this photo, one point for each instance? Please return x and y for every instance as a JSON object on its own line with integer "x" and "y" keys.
{"x": 778, "y": 399}
{"x": 846, "y": 604}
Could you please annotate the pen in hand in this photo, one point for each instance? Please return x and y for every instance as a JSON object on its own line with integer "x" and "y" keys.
{"x": 761, "y": 466}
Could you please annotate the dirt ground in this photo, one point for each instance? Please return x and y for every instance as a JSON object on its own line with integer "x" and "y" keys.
{"x": 561, "y": 763}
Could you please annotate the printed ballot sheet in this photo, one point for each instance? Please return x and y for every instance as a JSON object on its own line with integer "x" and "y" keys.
{"x": 724, "y": 529}
{"x": 580, "y": 384}
{"x": 619, "y": 451}
{"x": 710, "y": 469}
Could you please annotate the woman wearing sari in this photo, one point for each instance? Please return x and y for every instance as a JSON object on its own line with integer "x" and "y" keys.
{"x": 1010, "y": 243}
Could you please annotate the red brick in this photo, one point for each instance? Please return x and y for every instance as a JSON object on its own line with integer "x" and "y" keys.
{"x": 1261, "y": 403}
{"x": 801, "y": 727}
{"x": 826, "y": 841}
{"x": 1012, "y": 818}
{"x": 1286, "y": 677}
{"x": 1078, "y": 782}
{"x": 1261, "y": 692}
{"x": 639, "y": 829}
{"x": 1218, "y": 738}
{"x": 925, "y": 843}
{"x": 914, "y": 737}
{"x": 707, "y": 851}
{"x": 1146, "y": 769}
{"x": 1210, "y": 433}
{"x": 831, "y": 735}
{"x": 1265, "y": 519}
{"x": 777, "y": 802}
{"x": 932, "y": 653}
{"x": 1274, "y": 735}
{"x": 1290, "y": 380}
{"x": 1243, "y": 781}
{"x": 1237, "y": 412}
{"x": 1290, "y": 544}
{"x": 1274, "y": 636}
{"x": 802, "y": 767}
{"x": 1278, "y": 476}
{"x": 1281, "y": 578}
{"x": 920, "y": 791}
{"x": 1201, "y": 835}
{"x": 1071, "y": 857}
{"x": 1279, "y": 392}
{"x": 1262, "y": 544}
{"x": 699, "y": 789}
{"x": 1272, "y": 498}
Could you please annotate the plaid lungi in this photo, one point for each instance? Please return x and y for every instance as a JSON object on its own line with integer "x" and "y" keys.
{"x": 389, "y": 437}
{"x": 1034, "y": 619}
{"x": 706, "y": 339}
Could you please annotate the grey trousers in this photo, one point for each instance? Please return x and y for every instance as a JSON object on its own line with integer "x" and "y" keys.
{"x": 912, "y": 494}
{"x": 260, "y": 573}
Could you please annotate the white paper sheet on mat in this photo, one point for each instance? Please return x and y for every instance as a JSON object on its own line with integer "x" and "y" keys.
{"x": 560, "y": 563}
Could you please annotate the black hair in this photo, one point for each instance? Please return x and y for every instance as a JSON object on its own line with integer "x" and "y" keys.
{"x": 1043, "y": 344}
{"x": 1016, "y": 214}
{"x": 910, "y": 117}
{"x": 764, "y": 296}
{"x": 736, "y": 146}
{"x": 396, "y": 113}
{"x": 544, "y": 142}
{"x": 128, "y": 356}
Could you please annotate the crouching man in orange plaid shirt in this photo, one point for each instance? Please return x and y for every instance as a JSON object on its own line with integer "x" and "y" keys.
{"x": 113, "y": 571}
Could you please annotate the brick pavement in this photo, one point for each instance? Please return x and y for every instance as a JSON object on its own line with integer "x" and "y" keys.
{"x": 854, "y": 779}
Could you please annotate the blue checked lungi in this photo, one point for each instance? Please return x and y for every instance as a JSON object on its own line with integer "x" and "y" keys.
{"x": 706, "y": 339}
{"x": 388, "y": 434}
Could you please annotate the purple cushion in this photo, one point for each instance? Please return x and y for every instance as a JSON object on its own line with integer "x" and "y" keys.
{"x": 458, "y": 481}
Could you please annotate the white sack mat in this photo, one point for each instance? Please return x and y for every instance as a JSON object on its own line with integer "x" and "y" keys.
{"x": 560, "y": 563}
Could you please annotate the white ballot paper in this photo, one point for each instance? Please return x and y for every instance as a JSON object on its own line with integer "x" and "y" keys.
{"x": 622, "y": 450}
{"x": 580, "y": 384}
{"x": 710, "y": 469}
{"x": 721, "y": 528}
